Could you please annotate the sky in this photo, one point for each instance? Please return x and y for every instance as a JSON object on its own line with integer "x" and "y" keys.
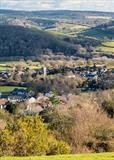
{"x": 89, "y": 5}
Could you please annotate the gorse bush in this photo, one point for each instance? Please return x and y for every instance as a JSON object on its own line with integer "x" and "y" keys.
{"x": 29, "y": 136}
{"x": 57, "y": 147}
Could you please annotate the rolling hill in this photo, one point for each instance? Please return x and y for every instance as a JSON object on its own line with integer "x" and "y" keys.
{"x": 23, "y": 42}
{"x": 89, "y": 18}
{"x": 103, "y": 31}
{"x": 25, "y": 34}
{"x": 56, "y": 14}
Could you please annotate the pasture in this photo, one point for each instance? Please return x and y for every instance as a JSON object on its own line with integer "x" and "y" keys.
{"x": 106, "y": 47}
{"x": 9, "y": 88}
{"x": 109, "y": 44}
{"x": 8, "y": 65}
{"x": 68, "y": 29}
{"x": 99, "y": 17}
{"x": 100, "y": 156}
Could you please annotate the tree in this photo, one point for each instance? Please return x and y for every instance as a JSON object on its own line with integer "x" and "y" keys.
{"x": 11, "y": 108}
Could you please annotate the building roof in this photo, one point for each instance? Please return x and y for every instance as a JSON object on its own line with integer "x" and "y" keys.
{"x": 3, "y": 101}
{"x": 31, "y": 100}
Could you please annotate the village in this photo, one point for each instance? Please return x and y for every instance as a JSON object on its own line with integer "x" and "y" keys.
{"x": 94, "y": 71}
{"x": 37, "y": 102}
{"x": 28, "y": 103}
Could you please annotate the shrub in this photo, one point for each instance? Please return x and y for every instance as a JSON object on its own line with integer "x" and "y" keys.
{"x": 54, "y": 100}
{"x": 11, "y": 108}
{"x": 84, "y": 129}
{"x": 108, "y": 106}
{"x": 58, "y": 147}
{"x": 28, "y": 136}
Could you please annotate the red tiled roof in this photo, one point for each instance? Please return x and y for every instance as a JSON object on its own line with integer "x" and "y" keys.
{"x": 3, "y": 101}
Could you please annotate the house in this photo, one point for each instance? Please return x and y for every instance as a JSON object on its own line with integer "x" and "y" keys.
{"x": 92, "y": 75}
{"x": 3, "y": 103}
{"x": 33, "y": 107}
{"x": 5, "y": 74}
{"x": 19, "y": 91}
{"x": 31, "y": 100}
{"x": 18, "y": 95}
{"x": 16, "y": 98}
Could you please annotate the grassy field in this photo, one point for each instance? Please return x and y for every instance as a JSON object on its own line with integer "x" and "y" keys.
{"x": 106, "y": 47}
{"x": 101, "y": 156}
{"x": 99, "y": 17}
{"x": 10, "y": 64}
{"x": 68, "y": 29}
{"x": 5, "y": 66}
{"x": 109, "y": 44}
{"x": 8, "y": 88}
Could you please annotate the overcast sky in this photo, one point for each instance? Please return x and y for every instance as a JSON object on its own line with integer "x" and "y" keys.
{"x": 95, "y": 5}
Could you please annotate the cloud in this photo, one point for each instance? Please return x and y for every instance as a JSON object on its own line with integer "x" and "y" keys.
{"x": 99, "y": 5}
{"x": 26, "y": 4}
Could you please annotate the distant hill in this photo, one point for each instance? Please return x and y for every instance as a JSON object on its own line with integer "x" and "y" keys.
{"x": 56, "y": 14}
{"x": 23, "y": 33}
{"x": 20, "y": 41}
{"x": 103, "y": 31}
{"x": 80, "y": 17}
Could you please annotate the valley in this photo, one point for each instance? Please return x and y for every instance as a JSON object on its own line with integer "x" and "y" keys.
{"x": 56, "y": 85}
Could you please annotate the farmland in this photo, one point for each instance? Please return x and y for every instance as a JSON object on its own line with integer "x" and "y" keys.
{"x": 106, "y": 47}
{"x": 101, "y": 156}
{"x": 10, "y": 64}
{"x": 67, "y": 29}
{"x": 99, "y": 17}
{"x": 8, "y": 88}
{"x": 109, "y": 44}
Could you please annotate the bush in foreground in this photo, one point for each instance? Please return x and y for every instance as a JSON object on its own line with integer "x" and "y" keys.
{"x": 28, "y": 136}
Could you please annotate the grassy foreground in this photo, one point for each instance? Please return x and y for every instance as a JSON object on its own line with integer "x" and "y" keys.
{"x": 101, "y": 156}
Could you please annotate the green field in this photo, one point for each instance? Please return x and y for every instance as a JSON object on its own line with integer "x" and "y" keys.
{"x": 5, "y": 66}
{"x": 106, "y": 47}
{"x": 9, "y": 88}
{"x": 101, "y": 156}
{"x": 109, "y": 44}
{"x": 8, "y": 65}
{"x": 99, "y": 17}
{"x": 68, "y": 29}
